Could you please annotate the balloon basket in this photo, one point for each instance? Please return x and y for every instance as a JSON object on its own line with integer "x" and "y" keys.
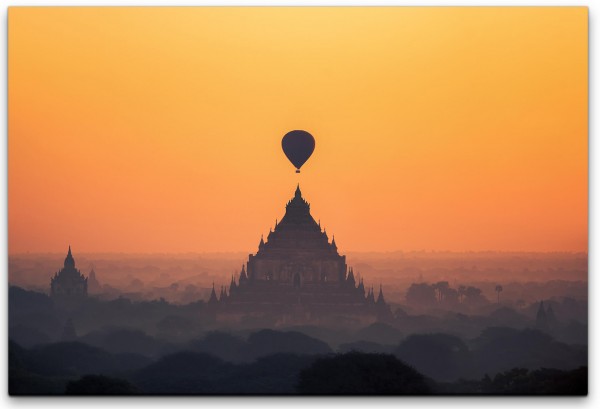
{"x": 297, "y": 170}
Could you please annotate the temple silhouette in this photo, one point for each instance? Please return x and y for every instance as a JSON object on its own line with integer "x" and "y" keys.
{"x": 68, "y": 282}
{"x": 297, "y": 275}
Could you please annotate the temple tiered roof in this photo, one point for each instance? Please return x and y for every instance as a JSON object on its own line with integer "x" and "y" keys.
{"x": 68, "y": 281}
{"x": 297, "y": 269}
{"x": 296, "y": 233}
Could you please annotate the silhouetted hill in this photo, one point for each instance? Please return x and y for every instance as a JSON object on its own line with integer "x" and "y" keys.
{"x": 194, "y": 373}
{"x": 126, "y": 340}
{"x": 99, "y": 385}
{"x": 74, "y": 368}
{"x": 16, "y": 355}
{"x": 331, "y": 336}
{"x": 520, "y": 381}
{"x": 366, "y": 346}
{"x": 269, "y": 342}
{"x": 46, "y": 369}
{"x": 380, "y": 333}
{"x": 439, "y": 356}
{"x": 183, "y": 373}
{"x": 32, "y": 314}
{"x": 508, "y": 317}
{"x": 75, "y": 358}
{"x": 25, "y": 301}
{"x": 258, "y": 344}
{"x": 223, "y": 345}
{"x": 27, "y": 337}
{"x": 573, "y": 332}
{"x": 24, "y": 383}
{"x": 446, "y": 357}
{"x": 357, "y": 373}
{"x": 273, "y": 374}
{"x": 500, "y": 349}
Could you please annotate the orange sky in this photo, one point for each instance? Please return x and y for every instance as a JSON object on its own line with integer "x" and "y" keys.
{"x": 159, "y": 129}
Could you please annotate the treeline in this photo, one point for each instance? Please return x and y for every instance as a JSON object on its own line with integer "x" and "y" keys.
{"x": 428, "y": 295}
{"x": 192, "y": 373}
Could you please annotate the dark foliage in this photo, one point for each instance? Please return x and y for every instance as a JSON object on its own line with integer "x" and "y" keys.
{"x": 380, "y": 333}
{"x": 508, "y": 317}
{"x": 439, "y": 356}
{"x": 174, "y": 325}
{"x": 23, "y": 382}
{"x": 366, "y": 346}
{"x": 183, "y": 373}
{"x": 189, "y": 373}
{"x": 27, "y": 336}
{"x": 73, "y": 359}
{"x": 421, "y": 295}
{"x": 24, "y": 301}
{"x": 222, "y": 345}
{"x": 447, "y": 358}
{"x": 274, "y": 374}
{"x": 267, "y": 342}
{"x": 126, "y": 340}
{"x": 500, "y": 349}
{"x": 358, "y": 373}
{"x": 520, "y": 381}
{"x": 100, "y": 385}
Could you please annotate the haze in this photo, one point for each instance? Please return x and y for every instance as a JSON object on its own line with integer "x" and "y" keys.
{"x": 159, "y": 129}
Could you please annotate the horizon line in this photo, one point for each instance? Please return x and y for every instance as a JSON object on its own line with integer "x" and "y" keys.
{"x": 432, "y": 251}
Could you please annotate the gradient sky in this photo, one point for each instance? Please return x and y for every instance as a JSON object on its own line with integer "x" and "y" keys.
{"x": 159, "y": 129}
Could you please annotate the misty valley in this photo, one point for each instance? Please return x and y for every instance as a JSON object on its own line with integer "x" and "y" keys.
{"x": 147, "y": 326}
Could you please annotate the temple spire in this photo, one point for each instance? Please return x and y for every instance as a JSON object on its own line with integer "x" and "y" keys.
{"x": 243, "y": 276}
{"x": 541, "y": 320}
{"x": 223, "y": 296}
{"x": 371, "y": 296}
{"x": 233, "y": 285}
{"x": 213, "y": 295}
{"x": 351, "y": 280}
{"x": 298, "y": 193}
{"x": 69, "y": 260}
{"x": 380, "y": 299}
{"x": 361, "y": 287}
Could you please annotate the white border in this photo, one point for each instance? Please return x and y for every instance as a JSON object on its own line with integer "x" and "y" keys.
{"x": 464, "y": 402}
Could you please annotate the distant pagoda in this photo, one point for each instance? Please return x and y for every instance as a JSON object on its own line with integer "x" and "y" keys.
{"x": 68, "y": 282}
{"x": 298, "y": 271}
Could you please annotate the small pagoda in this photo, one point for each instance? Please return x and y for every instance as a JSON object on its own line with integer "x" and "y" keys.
{"x": 68, "y": 282}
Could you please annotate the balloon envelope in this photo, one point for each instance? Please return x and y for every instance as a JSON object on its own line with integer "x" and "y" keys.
{"x": 298, "y": 146}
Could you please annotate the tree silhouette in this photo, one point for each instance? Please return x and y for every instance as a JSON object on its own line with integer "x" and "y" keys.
{"x": 421, "y": 294}
{"x": 441, "y": 288}
{"x": 357, "y": 373}
{"x": 474, "y": 298}
{"x": 442, "y": 357}
{"x": 499, "y": 290}
{"x": 462, "y": 290}
{"x": 100, "y": 385}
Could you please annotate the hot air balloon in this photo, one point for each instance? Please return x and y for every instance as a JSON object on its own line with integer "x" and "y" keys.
{"x": 298, "y": 146}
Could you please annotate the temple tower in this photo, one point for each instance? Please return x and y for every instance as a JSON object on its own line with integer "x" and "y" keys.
{"x": 68, "y": 282}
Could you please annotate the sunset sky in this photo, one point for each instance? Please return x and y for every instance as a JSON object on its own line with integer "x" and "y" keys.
{"x": 159, "y": 129}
